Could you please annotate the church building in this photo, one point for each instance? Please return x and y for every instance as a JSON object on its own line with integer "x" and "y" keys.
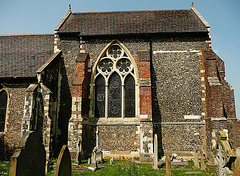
{"x": 113, "y": 80}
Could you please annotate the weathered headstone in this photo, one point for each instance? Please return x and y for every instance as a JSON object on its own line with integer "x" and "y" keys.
{"x": 155, "y": 165}
{"x": 89, "y": 161}
{"x": 133, "y": 161}
{"x": 196, "y": 161}
{"x": 29, "y": 159}
{"x": 63, "y": 166}
{"x": 168, "y": 166}
{"x": 93, "y": 159}
{"x": 111, "y": 161}
{"x": 98, "y": 153}
{"x": 79, "y": 152}
{"x": 203, "y": 164}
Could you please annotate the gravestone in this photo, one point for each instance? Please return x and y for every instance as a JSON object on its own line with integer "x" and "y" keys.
{"x": 111, "y": 161}
{"x": 30, "y": 157}
{"x": 133, "y": 161}
{"x": 203, "y": 164}
{"x": 93, "y": 166}
{"x": 155, "y": 165}
{"x": 98, "y": 153}
{"x": 168, "y": 166}
{"x": 89, "y": 161}
{"x": 63, "y": 166}
{"x": 196, "y": 161}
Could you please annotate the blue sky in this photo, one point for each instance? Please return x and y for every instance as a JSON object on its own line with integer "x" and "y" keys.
{"x": 28, "y": 16}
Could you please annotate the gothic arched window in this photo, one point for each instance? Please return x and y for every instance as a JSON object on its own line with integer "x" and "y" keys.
{"x": 114, "y": 96}
{"x": 100, "y": 96}
{"x": 3, "y": 108}
{"x": 129, "y": 88}
{"x": 115, "y": 84}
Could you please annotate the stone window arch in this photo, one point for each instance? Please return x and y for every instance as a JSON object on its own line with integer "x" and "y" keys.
{"x": 3, "y": 109}
{"x": 115, "y": 84}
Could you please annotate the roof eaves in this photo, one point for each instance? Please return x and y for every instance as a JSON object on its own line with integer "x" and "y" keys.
{"x": 137, "y": 34}
{"x": 31, "y": 88}
{"x": 63, "y": 20}
{"x": 31, "y": 34}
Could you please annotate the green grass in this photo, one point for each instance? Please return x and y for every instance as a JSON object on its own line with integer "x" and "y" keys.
{"x": 123, "y": 168}
{"x": 4, "y": 167}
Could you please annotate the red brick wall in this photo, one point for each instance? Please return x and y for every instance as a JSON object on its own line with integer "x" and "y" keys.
{"x": 80, "y": 80}
{"x": 220, "y": 98}
{"x": 234, "y": 131}
{"x": 144, "y": 71}
{"x": 145, "y": 101}
{"x": 215, "y": 101}
{"x": 227, "y": 91}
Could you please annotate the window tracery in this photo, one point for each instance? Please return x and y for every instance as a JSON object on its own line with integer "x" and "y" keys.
{"x": 115, "y": 84}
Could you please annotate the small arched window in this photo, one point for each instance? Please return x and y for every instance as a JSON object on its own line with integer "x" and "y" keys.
{"x": 3, "y": 108}
{"x": 114, "y": 96}
{"x": 100, "y": 96}
{"x": 129, "y": 88}
{"x": 115, "y": 85}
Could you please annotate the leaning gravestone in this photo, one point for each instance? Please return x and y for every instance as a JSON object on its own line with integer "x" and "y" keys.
{"x": 30, "y": 157}
{"x": 63, "y": 166}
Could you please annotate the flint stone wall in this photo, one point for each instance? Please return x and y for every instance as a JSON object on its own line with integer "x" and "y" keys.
{"x": 181, "y": 137}
{"x": 177, "y": 79}
{"x": 14, "y": 114}
{"x": 119, "y": 137}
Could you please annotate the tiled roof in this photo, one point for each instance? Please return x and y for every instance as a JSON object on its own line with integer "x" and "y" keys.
{"x": 133, "y": 22}
{"x": 21, "y": 55}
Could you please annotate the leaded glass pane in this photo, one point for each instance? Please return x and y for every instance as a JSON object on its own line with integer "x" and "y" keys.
{"x": 129, "y": 96}
{"x": 100, "y": 97}
{"x": 3, "y": 107}
{"x": 114, "y": 96}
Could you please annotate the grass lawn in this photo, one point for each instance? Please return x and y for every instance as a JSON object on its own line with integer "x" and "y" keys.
{"x": 122, "y": 168}
{"x": 4, "y": 167}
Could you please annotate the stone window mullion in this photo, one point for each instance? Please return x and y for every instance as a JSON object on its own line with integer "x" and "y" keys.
{"x": 123, "y": 100}
{"x": 106, "y": 100}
